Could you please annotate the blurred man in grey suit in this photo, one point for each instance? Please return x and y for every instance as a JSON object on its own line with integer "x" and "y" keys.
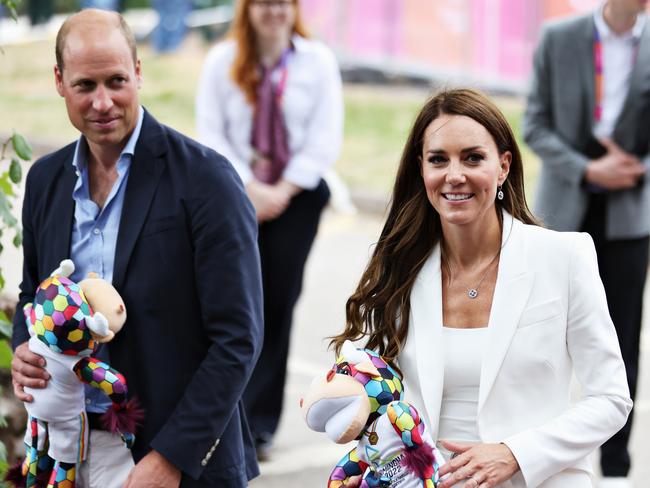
{"x": 588, "y": 119}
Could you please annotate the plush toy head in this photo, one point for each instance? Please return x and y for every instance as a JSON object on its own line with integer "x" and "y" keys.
{"x": 358, "y": 389}
{"x": 68, "y": 320}
{"x": 58, "y": 317}
{"x": 104, "y": 299}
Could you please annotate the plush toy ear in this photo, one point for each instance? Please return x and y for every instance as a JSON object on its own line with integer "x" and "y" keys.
{"x": 66, "y": 268}
{"x": 368, "y": 368}
{"x": 352, "y": 354}
{"x": 92, "y": 274}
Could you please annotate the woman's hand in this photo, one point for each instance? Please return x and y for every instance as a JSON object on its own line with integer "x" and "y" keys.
{"x": 269, "y": 201}
{"x": 481, "y": 465}
{"x": 288, "y": 188}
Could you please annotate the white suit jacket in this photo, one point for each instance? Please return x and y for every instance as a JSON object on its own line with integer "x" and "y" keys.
{"x": 549, "y": 319}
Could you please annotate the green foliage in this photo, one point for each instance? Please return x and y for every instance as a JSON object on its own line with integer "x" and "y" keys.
{"x": 11, "y": 5}
{"x": 21, "y": 148}
{"x": 9, "y": 181}
{"x": 3, "y": 460}
{"x": 11, "y": 174}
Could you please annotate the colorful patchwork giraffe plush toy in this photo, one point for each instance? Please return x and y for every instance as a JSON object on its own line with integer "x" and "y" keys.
{"x": 66, "y": 321}
{"x": 361, "y": 398}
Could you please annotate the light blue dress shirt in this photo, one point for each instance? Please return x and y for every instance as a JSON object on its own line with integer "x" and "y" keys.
{"x": 94, "y": 233}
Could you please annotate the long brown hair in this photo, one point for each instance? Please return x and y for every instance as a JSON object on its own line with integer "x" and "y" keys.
{"x": 244, "y": 71}
{"x": 379, "y": 308}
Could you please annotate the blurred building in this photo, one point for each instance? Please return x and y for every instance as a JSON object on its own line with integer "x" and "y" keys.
{"x": 489, "y": 42}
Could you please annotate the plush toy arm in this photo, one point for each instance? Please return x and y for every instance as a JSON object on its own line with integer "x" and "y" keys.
{"x": 347, "y": 472}
{"x": 125, "y": 415}
{"x": 420, "y": 457}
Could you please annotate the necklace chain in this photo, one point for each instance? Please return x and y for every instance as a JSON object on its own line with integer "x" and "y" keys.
{"x": 473, "y": 292}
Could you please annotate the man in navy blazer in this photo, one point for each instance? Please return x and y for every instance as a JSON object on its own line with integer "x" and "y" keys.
{"x": 185, "y": 262}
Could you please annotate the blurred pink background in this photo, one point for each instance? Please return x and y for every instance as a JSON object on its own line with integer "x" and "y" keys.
{"x": 490, "y": 41}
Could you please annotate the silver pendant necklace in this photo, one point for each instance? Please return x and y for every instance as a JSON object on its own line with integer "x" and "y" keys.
{"x": 473, "y": 292}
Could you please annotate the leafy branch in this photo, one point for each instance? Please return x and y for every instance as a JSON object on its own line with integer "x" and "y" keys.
{"x": 9, "y": 181}
{"x": 14, "y": 149}
{"x": 11, "y": 5}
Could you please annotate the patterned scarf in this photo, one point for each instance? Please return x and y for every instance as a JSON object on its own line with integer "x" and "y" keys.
{"x": 270, "y": 138}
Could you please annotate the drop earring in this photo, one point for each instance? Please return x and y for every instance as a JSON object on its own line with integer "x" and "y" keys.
{"x": 500, "y": 192}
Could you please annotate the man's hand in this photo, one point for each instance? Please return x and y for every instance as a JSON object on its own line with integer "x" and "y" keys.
{"x": 616, "y": 170}
{"x": 479, "y": 465}
{"x": 27, "y": 369}
{"x": 269, "y": 201}
{"x": 153, "y": 471}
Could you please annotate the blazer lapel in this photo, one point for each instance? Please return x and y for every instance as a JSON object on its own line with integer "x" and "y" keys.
{"x": 585, "y": 57}
{"x": 426, "y": 313}
{"x": 639, "y": 82}
{"x": 62, "y": 212}
{"x": 511, "y": 293}
{"x": 144, "y": 174}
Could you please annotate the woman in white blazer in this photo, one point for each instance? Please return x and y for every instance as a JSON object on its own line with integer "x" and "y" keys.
{"x": 488, "y": 314}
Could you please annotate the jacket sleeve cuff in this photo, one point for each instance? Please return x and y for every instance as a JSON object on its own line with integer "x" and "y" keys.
{"x": 531, "y": 469}
{"x": 304, "y": 174}
{"x": 186, "y": 460}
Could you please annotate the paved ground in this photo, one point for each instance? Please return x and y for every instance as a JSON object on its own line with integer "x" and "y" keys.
{"x": 303, "y": 458}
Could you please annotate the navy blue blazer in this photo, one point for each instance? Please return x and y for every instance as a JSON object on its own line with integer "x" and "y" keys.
{"x": 187, "y": 267}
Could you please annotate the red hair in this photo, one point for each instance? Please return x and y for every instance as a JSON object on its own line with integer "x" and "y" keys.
{"x": 244, "y": 69}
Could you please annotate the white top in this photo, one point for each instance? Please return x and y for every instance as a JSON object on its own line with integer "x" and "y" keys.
{"x": 618, "y": 60}
{"x": 313, "y": 111}
{"x": 463, "y": 352}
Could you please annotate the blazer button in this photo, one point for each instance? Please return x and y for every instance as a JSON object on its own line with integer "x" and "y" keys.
{"x": 204, "y": 463}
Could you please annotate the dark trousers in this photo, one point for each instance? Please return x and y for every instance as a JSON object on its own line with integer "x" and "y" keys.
{"x": 284, "y": 246}
{"x": 623, "y": 264}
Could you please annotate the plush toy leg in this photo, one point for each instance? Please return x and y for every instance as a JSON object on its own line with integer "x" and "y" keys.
{"x": 372, "y": 480}
{"x": 37, "y": 463}
{"x": 348, "y": 471}
{"x": 63, "y": 475}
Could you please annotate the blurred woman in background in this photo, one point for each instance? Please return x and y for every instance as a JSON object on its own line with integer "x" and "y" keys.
{"x": 270, "y": 101}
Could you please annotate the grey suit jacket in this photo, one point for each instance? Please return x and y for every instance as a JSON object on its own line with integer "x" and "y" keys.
{"x": 558, "y": 126}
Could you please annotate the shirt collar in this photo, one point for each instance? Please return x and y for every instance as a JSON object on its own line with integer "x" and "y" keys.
{"x": 80, "y": 158}
{"x": 605, "y": 32}
{"x": 299, "y": 43}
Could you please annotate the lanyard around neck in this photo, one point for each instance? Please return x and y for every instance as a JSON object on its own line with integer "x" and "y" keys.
{"x": 599, "y": 72}
{"x": 281, "y": 66}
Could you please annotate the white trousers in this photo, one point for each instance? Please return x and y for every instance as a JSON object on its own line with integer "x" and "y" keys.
{"x": 108, "y": 464}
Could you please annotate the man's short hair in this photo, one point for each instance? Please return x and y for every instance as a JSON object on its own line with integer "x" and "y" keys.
{"x": 121, "y": 24}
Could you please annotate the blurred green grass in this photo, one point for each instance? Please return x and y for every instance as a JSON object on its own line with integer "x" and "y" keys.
{"x": 377, "y": 118}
